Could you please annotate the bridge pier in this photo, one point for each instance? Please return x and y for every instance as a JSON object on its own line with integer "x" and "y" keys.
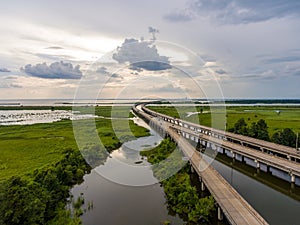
{"x": 243, "y": 158}
{"x": 192, "y": 169}
{"x": 220, "y": 214}
{"x": 221, "y": 150}
{"x": 202, "y": 185}
{"x": 257, "y": 164}
{"x": 233, "y": 156}
{"x": 293, "y": 178}
{"x": 268, "y": 168}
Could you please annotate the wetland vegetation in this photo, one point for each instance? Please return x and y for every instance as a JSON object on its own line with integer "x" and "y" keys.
{"x": 39, "y": 164}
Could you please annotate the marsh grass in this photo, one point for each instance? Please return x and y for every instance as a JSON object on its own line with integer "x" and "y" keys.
{"x": 24, "y": 148}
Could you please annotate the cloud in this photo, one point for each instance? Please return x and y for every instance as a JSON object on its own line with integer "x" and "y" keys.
{"x": 56, "y": 70}
{"x": 179, "y": 16}
{"x": 220, "y": 71}
{"x": 141, "y": 54}
{"x": 4, "y": 70}
{"x": 102, "y": 70}
{"x": 10, "y": 85}
{"x": 167, "y": 88}
{"x": 11, "y": 78}
{"x": 54, "y": 57}
{"x": 241, "y": 12}
{"x": 283, "y": 59}
{"x": 55, "y": 47}
{"x": 263, "y": 75}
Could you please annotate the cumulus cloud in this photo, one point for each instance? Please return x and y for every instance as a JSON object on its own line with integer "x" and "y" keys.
{"x": 56, "y": 70}
{"x": 4, "y": 70}
{"x": 141, "y": 54}
{"x": 240, "y": 12}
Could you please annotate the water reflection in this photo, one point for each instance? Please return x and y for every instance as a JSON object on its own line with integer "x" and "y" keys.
{"x": 126, "y": 166}
{"x": 116, "y": 191}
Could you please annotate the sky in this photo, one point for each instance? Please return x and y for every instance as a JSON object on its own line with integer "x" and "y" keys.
{"x": 139, "y": 49}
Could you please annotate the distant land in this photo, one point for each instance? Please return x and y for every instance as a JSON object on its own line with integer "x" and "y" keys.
{"x": 50, "y": 102}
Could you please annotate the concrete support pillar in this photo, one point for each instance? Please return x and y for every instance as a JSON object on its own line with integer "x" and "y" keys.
{"x": 192, "y": 169}
{"x": 233, "y": 154}
{"x": 257, "y": 164}
{"x": 222, "y": 150}
{"x": 220, "y": 214}
{"x": 268, "y": 168}
{"x": 293, "y": 178}
{"x": 213, "y": 146}
{"x": 288, "y": 157}
{"x": 202, "y": 186}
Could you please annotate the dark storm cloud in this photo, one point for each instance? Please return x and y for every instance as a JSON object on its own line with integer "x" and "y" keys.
{"x": 241, "y": 12}
{"x": 141, "y": 54}
{"x": 56, "y": 70}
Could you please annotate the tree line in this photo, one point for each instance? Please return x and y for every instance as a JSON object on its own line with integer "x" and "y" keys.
{"x": 40, "y": 198}
{"x": 259, "y": 130}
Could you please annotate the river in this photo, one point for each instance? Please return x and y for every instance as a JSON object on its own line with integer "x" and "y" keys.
{"x": 123, "y": 192}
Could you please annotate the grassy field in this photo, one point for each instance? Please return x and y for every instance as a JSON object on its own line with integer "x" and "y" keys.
{"x": 289, "y": 117}
{"x": 28, "y": 147}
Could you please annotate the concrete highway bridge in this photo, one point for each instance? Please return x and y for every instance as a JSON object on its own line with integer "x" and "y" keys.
{"x": 230, "y": 202}
{"x": 281, "y": 160}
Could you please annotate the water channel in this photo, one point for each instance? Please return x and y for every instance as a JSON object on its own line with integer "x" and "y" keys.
{"x": 119, "y": 204}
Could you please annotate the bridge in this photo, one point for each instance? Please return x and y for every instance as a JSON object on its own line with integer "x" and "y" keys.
{"x": 260, "y": 145}
{"x": 264, "y": 155}
{"x": 230, "y": 203}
